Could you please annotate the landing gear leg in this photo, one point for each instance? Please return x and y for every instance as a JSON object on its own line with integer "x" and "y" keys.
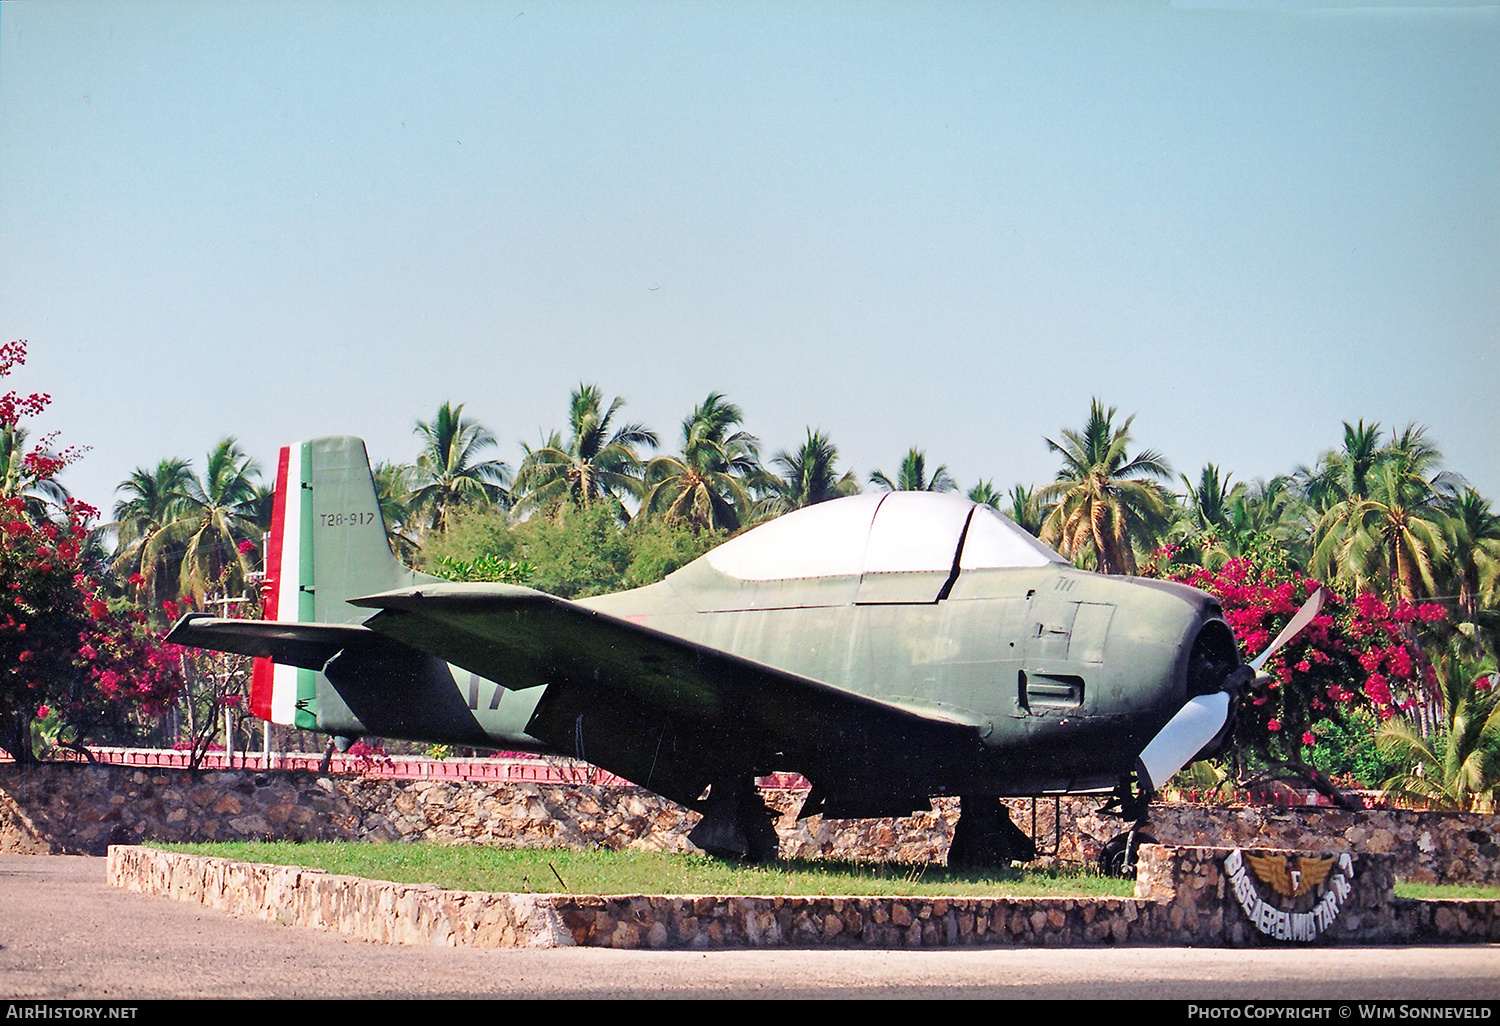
{"x": 984, "y": 836}
{"x": 1132, "y": 799}
{"x": 736, "y": 823}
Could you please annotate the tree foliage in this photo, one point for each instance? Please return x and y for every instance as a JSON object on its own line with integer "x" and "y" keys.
{"x": 1359, "y": 655}
{"x": 1105, "y": 503}
{"x": 709, "y": 484}
{"x": 598, "y": 462}
{"x": 450, "y": 474}
{"x": 912, "y": 477}
{"x": 805, "y": 477}
{"x": 68, "y": 659}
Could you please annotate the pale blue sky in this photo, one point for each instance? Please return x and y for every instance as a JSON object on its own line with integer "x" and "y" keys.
{"x": 943, "y": 225}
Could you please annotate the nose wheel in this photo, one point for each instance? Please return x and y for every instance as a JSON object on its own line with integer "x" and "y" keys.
{"x": 1118, "y": 857}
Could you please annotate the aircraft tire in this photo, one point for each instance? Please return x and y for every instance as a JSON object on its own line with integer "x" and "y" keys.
{"x": 1117, "y": 857}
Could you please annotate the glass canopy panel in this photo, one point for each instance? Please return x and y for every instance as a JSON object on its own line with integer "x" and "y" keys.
{"x": 994, "y": 541}
{"x": 916, "y": 532}
{"x": 825, "y": 540}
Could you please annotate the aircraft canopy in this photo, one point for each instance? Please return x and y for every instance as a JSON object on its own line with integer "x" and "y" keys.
{"x": 892, "y": 532}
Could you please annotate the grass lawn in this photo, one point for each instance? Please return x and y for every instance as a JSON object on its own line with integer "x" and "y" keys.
{"x": 546, "y": 870}
{"x": 1425, "y": 891}
{"x": 543, "y": 870}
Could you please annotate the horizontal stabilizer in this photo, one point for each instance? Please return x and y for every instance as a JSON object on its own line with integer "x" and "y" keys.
{"x": 391, "y": 689}
{"x": 308, "y": 645}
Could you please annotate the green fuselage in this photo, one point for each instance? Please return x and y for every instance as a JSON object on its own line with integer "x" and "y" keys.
{"x": 1065, "y": 674}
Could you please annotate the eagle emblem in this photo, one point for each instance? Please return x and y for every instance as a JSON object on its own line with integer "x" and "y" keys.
{"x": 1291, "y": 876}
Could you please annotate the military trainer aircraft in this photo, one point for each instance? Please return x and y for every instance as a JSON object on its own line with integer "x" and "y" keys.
{"x": 889, "y": 647}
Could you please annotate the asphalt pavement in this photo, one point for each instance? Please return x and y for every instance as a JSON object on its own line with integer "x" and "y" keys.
{"x": 65, "y": 935}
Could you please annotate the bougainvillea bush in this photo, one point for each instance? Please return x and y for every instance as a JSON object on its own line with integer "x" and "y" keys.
{"x": 1356, "y": 657}
{"x": 69, "y": 659}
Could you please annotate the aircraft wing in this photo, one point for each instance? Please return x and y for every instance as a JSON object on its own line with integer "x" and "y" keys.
{"x": 671, "y": 714}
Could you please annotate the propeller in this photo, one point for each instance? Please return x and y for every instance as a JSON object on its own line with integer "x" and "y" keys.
{"x": 1206, "y": 718}
{"x": 1291, "y": 630}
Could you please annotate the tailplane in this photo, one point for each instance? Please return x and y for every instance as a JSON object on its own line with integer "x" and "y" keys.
{"x": 327, "y": 544}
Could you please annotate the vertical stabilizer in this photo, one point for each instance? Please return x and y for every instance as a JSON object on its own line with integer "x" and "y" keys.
{"x": 327, "y": 545}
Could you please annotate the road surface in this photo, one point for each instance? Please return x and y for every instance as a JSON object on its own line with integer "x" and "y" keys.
{"x": 65, "y": 935}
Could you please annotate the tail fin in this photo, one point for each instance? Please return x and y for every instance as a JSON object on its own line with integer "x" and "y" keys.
{"x": 327, "y": 545}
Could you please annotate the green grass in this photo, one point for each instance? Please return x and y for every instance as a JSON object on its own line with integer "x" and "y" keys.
{"x": 1425, "y": 891}
{"x": 546, "y": 870}
{"x": 642, "y": 872}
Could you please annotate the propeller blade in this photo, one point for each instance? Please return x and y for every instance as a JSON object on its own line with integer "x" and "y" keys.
{"x": 1193, "y": 729}
{"x": 1291, "y": 630}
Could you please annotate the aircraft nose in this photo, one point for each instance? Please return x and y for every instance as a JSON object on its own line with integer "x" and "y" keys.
{"x": 1201, "y": 692}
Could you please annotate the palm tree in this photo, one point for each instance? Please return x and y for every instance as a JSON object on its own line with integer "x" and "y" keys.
{"x": 709, "y": 484}
{"x": 808, "y": 476}
{"x": 1269, "y": 517}
{"x": 1474, "y": 552}
{"x": 913, "y": 476}
{"x": 1023, "y": 506}
{"x": 1395, "y": 536}
{"x": 1207, "y": 522}
{"x": 1343, "y": 474}
{"x": 1210, "y": 499}
{"x": 984, "y": 493}
{"x": 1462, "y": 772}
{"x": 1104, "y": 502}
{"x": 148, "y": 527}
{"x": 596, "y": 463}
{"x": 393, "y": 495}
{"x": 449, "y": 474}
{"x": 1388, "y": 533}
{"x": 222, "y": 518}
{"x": 19, "y": 477}
{"x": 1019, "y": 504}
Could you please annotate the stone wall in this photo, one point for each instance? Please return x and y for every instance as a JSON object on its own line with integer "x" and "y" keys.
{"x": 1183, "y": 897}
{"x": 82, "y": 809}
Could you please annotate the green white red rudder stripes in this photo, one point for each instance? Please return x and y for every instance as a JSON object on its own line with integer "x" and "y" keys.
{"x": 280, "y": 693}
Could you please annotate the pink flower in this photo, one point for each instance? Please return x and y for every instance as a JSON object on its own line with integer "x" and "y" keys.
{"x": 1308, "y": 739}
{"x": 1273, "y": 725}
